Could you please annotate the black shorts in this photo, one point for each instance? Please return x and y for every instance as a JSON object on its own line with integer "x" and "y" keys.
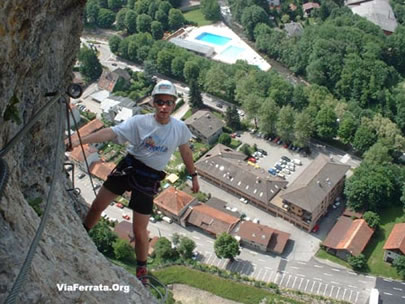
{"x": 143, "y": 182}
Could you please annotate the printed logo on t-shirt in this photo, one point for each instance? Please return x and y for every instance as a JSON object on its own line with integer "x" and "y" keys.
{"x": 150, "y": 144}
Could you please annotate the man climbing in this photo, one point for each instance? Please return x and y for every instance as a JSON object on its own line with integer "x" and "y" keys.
{"x": 153, "y": 138}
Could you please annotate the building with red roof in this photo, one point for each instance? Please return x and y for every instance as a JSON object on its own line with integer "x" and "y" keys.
{"x": 395, "y": 245}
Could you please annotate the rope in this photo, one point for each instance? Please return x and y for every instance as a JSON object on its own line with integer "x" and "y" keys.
{"x": 84, "y": 154}
{"x": 3, "y": 176}
{"x": 28, "y": 259}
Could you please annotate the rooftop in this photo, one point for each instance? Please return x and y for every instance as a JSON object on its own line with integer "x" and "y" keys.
{"x": 173, "y": 200}
{"x": 396, "y": 239}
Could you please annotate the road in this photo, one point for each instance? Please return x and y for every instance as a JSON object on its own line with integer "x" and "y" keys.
{"x": 291, "y": 271}
{"x": 391, "y": 291}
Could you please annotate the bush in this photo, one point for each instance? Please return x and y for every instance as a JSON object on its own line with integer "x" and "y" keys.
{"x": 357, "y": 262}
{"x": 372, "y": 219}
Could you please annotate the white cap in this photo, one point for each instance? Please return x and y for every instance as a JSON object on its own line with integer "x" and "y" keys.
{"x": 164, "y": 87}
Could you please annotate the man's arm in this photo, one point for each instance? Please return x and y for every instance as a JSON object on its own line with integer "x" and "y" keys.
{"x": 187, "y": 156}
{"x": 102, "y": 135}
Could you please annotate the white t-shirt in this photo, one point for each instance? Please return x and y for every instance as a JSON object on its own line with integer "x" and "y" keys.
{"x": 151, "y": 142}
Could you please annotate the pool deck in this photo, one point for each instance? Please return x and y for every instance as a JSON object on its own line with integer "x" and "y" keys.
{"x": 221, "y": 29}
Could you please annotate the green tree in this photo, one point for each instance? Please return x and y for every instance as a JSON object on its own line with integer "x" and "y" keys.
{"x": 378, "y": 153}
{"x": 194, "y": 95}
{"x": 103, "y": 3}
{"x": 176, "y": 19}
{"x": 143, "y": 23}
{"x": 130, "y": 21}
{"x": 211, "y": 9}
{"x": 156, "y": 30}
{"x": 214, "y": 82}
{"x": 186, "y": 247}
{"x": 285, "y": 124}
{"x": 303, "y": 129}
{"x": 114, "y": 5}
{"x": 364, "y": 138}
{"x": 372, "y": 219}
{"x": 122, "y": 250}
{"x": 347, "y": 128}
{"x": 177, "y": 67}
{"x": 252, "y": 104}
{"x": 120, "y": 19}
{"x": 232, "y": 118}
{"x": 163, "y": 18}
{"x": 164, "y": 251}
{"x": 90, "y": 66}
{"x": 357, "y": 262}
{"x": 105, "y": 18}
{"x": 371, "y": 187}
{"x": 326, "y": 124}
{"x": 251, "y": 16}
{"x": 191, "y": 71}
{"x": 225, "y": 139}
{"x": 399, "y": 265}
{"x": 92, "y": 9}
{"x": 164, "y": 61}
{"x": 103, "y": 237}
{"x": 114, "y": 43}
{"x": 226, "y": 246}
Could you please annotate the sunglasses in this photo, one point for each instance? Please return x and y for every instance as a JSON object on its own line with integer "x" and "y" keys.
{"x": 160, "y": 102}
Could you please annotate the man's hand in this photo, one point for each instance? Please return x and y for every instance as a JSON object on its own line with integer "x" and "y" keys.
{"x": 196, "y": 187}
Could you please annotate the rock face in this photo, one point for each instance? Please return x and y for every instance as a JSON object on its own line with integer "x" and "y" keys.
{"x": 38, "y": 44}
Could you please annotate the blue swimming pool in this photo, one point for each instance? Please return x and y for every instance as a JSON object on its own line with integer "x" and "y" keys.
{"x": 213, "y": 39}
{"x": 232, "y": 51}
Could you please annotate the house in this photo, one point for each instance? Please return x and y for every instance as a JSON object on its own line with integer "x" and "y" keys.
{"x": 348, "y": 237}
{"x": 101, "y": 169}
{"x": 227, "y": 169}
{"x": 293, "y": 29}
{"x": 118, "y": 109}
{"x": 99, "y": 96}
{"x": 87, "y": 129}
{"x": 222, "y": 206}
{"x": 209, "y": 219}
{"x": 261, "y": 237}
{"x": 204, "y": 125}
{"x": 394, "y": 247}
{"x": 352, "y": 214}
{"x": 90, "y": 153}
{"x": 174, "y": 203}
{"x": 312, "y": 192}
{"x": 308, "y": 7}
{"x": 378, "y": 12}
{"x": 108, "y": 79}
{"x": 124, "y": 231}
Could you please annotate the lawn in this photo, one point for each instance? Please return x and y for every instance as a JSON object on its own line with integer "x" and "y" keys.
{"x": 197, "y": 17}
{"x": 227, "y": 289}
{"x": 374, "y": 250}
{"x": 327, "y": 256}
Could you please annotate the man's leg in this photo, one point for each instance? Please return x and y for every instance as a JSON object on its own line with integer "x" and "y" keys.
{"x": 102, "y": 200}
{"x": 140, "y": 224}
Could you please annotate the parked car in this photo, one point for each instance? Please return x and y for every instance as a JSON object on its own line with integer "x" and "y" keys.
{"x": 315, "y": 229}
{"x": 243, "y": 200}
{"x": 277, "y": 166}
{"x": 272, "y": 171}
{"x": 275, "y": 140}
{"x": 81, "y": 175}
{"x": 219, "y": 105}
{"x": 167, "y": 219}
{"x": 256, "y": 220}
{"x": 126, "y": 217}
{"x": 286, "y": 171}
{"x": 119, "y": 205}
{"x": 285, "y": 145}
{"x": 152, "y": 219}
{"x": 97, "y": 186}
{"x": 252, "y": 159}
{"x": 279, "y": 142}
{"x": 281, "y": 175}
{"x": 286, "y": 158}
{"x": 297, "y": 161}
{"x": 262, "y": 151}
{"x": 233, "y": 135}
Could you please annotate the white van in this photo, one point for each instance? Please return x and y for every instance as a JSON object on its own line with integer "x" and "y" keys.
{"x": 281, "y": 175}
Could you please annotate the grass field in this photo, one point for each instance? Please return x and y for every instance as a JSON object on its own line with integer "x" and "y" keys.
{"x": 223, "y": 288}
{"x": 374, "y": 251}
{"x": 197, "y": 17}
{"x": 325, "y": 255}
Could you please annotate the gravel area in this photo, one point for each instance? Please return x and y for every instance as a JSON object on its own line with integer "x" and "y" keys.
{"x": 190, "y": 295}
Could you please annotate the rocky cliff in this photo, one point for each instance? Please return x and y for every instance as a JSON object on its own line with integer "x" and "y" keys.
{"x": 38, "y": 44}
